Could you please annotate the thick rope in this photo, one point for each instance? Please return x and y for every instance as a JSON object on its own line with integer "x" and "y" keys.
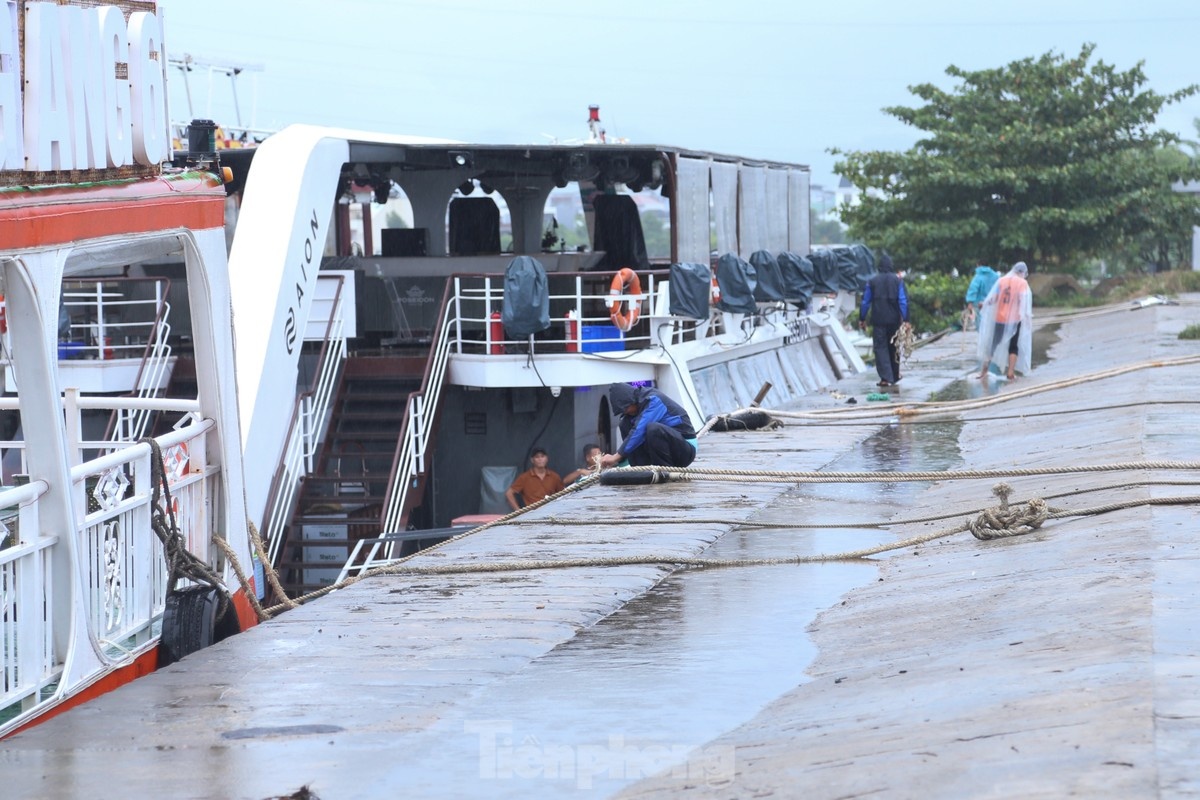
{"x": 247, "y": 586}
{"x": 181, "y": 562}
{"x": 324, "y": 590}
{"x": 995, "y": 523}
{"x": 268, "y": 568}
{"x": 863, "y": 524}
{"x": 915, "y": 408}
{"x": 398, "y": 566}
{"x": 812, "y": 476}
{"x": 986, "y": 533}
{"x": 904, "y": 342}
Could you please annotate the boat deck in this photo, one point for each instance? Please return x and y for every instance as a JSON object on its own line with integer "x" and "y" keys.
{"x": 1054, "y": 663}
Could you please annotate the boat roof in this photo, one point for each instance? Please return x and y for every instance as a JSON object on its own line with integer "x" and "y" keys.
{"x": 369, "y": 151}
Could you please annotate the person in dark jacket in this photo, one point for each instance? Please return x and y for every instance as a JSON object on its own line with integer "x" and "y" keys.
{"x": 885, "y": 299}
{"x": 656, "y": 431}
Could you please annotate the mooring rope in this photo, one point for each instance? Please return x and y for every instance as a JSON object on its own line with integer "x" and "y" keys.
{"x": 815, "y": 476}
{"x": 181, "y": 562}
{"x": 995, "y": 523}
{"x": 350, "y": 581}
{"x": 905, "y": 409}
{"x": 827, "y": 525}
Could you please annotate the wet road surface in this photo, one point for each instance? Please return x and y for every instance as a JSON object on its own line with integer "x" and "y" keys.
{"x": 837, "y": 679}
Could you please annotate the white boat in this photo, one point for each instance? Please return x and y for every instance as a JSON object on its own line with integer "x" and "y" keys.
{"x": 423, "y": 406}
{"x": 376, "y": 395}
{"x": 88, "y": 205}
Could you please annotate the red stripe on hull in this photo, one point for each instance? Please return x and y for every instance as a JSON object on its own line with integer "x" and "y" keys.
{"x": 55, "y": 216}
{"x": 141, "y": 666}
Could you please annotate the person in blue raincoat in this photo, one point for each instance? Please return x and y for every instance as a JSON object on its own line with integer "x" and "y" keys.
{"x": 656, "y": 430}
{"x": 981, "y": 283}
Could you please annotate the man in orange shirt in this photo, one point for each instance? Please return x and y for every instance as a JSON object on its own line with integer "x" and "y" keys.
{"x": 535, "y": 483}
{"x": 1006, "y": 323}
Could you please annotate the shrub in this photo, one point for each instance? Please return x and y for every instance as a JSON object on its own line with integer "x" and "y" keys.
{"x": 935, "y": 302}
{"x": 1190, "y": 332}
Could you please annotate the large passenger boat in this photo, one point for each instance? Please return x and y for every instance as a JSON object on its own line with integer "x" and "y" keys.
{"x": 489, "y": 294}
{"x": 111, "y": 457}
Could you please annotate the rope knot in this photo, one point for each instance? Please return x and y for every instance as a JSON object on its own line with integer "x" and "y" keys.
{"x": 1006, "y": 520}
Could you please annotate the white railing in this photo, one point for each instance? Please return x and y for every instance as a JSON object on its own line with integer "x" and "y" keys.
{"x": 469, "y": 323}
{"x": 30, "y": 664}
{"x": 580, "y": 324}
{"x": 307, "y": 427}
{"x": 125, "y": 573}
{"x": 120, "y": 559}
{"x": 112, "y": 325}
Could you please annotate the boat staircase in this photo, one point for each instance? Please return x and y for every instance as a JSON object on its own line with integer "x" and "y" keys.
{"x": 341, "y": 501}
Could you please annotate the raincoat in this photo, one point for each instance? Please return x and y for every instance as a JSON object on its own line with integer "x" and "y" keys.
{"x": 985, "y": 278}
{"x": 1007, "y": 305}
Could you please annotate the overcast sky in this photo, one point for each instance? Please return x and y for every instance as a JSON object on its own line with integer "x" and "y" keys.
{"x": 778, "y": 79}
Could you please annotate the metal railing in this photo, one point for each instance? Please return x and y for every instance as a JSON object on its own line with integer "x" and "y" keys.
{"x": 470, "y": 322}
{"x": 30, "y": 664}
{"x": 306, "y": 428}
{"x": 119, "y": 558}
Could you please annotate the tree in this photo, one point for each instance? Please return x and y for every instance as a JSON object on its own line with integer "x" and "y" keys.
{"x": 1048, "y": 160}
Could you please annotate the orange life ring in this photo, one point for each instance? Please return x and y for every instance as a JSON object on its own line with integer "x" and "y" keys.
{"x": 625, "y": 281}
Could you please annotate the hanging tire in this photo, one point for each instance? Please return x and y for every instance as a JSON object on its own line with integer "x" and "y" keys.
{"x": 190, "y": 622}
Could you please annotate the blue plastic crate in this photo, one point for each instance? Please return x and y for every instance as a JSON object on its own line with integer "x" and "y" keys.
{"x": 602, "y": 338}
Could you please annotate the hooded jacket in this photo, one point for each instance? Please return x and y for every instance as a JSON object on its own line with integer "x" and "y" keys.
{"x": 652, "y": 406}
{"x": 981, "y": 284}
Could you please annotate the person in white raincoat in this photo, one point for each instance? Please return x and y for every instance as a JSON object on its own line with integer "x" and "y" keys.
{"x": 1006, "y": 323}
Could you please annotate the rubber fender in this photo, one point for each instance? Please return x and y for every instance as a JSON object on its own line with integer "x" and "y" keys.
{"x": 745, "y": 421}
{"x": 190, "y": 622}
{"x": 639, "y": 477}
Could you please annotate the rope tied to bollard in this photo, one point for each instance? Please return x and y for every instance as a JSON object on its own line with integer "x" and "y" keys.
{"x": 1006, "y": 520}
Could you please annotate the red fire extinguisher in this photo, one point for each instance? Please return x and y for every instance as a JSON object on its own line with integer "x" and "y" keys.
{"x": 3, "y": 315}
{"x": 496, "y": 334}
{"x": 572, "y": 333}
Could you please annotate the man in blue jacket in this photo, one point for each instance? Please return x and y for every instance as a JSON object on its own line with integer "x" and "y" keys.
{"x": 887, "y": 303}
{"x": 656, "y": 431}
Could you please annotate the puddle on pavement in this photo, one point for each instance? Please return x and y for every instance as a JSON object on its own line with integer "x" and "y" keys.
{"x": 700, "y": 654}
{"x": 970, "y": 388}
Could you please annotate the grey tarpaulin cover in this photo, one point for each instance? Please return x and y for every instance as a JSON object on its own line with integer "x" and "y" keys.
{"x": 847, "y": 267}
{"x": 526, "y": 298}
{"x": 770, "y": 281}
{"x": 825, "y": 271}
{"x": 866, "y": 263}
{"x": 736, "y": 279}
{"x": 690, "y": 285}
{"x": 797, "y": 272}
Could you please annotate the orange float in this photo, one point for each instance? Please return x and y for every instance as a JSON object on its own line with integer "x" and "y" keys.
{"x": 624, "y": 313}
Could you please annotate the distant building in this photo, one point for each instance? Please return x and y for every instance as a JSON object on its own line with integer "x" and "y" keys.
{"x": 847, "y": 193}
{"x": 822, "y": 202}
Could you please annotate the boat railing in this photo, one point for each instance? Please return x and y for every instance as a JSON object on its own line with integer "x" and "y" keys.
{"x": 117, "y": 555}
{"x": 579, "y": 309}
{"x": 307, "y": 425}
{"x": 30, "y": 663}
{"x": 114, "y": 318}
{"x": 470, "y": 323}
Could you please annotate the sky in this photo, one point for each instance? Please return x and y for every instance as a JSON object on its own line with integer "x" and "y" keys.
{"x": 783, "y": 80}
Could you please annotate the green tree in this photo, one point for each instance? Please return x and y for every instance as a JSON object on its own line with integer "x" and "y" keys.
{"x": 1047, "y": 160}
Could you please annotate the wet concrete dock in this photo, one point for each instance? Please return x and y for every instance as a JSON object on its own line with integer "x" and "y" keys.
{"x": 1061, "y": 662}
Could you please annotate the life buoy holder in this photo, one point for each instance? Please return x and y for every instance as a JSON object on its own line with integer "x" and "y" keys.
{"x": 624, "y": 313}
